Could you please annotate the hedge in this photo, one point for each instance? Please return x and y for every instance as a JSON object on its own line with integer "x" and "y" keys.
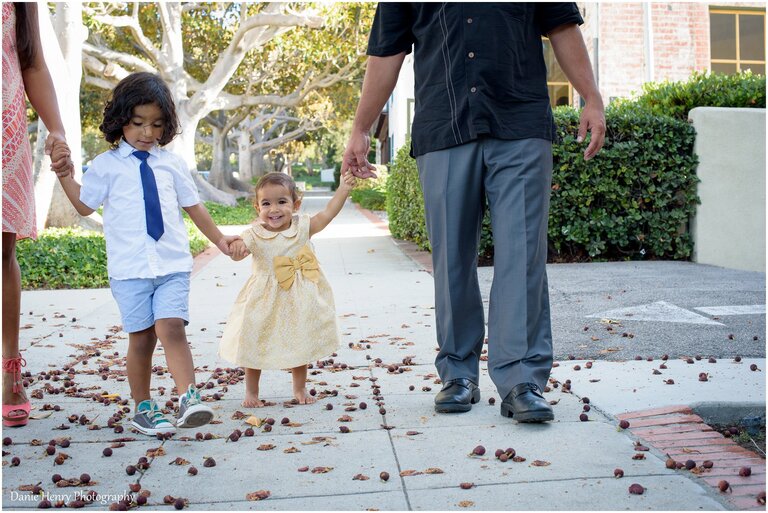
{"x": 73, "y": 258}
{"x": 676, "y": 99}
{"x": 371, "y": 193}
{"x": 631, "y": 201}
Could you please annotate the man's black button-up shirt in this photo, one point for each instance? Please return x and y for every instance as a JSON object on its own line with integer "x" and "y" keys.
{"x": 479, "y": 67}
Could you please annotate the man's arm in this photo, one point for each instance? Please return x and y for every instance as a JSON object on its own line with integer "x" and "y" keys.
{"x": 571, "y": 53}
{"x": 380, "y": 78}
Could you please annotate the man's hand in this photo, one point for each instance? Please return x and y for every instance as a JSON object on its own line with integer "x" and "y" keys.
{"x": 355, "y": 159}
{"x": 592, "y": 119}
{"x": 61, "y": 163}
{"x": 225, "y": 244}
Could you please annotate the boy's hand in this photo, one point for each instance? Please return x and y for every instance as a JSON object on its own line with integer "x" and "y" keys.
{"x": 238, "y": 249}
{"x": 225, "y": 243}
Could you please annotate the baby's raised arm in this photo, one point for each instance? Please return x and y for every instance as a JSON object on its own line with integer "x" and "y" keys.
{"x": 332, "y": 209}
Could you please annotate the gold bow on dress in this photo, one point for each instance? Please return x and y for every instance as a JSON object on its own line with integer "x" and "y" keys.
{"x": 287, "y": 267}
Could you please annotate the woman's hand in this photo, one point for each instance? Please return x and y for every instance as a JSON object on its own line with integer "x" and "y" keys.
{"x": 61, "y": 162}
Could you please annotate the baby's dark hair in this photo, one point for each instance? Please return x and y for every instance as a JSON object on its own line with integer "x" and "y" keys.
{"x": 277, "y": 179}
{"x": 134, "y": 90}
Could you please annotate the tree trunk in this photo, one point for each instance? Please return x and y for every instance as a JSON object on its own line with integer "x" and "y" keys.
{"x": 63, "y": 56}
{"x": 184, "y": 146}
{"x": 258, "y": 163}
{"x": 219, "y": 166}
{"x": 244, "y": 170}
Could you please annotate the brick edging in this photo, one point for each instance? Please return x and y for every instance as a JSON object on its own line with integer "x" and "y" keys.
{"x": 676, "y": 431}
{"x": 204, "y": 258}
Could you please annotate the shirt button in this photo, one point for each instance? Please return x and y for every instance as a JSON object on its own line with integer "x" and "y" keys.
{"x": 469, "y": 20}
{"x": 471, "y": 55}
{"x": 473, "y": 89}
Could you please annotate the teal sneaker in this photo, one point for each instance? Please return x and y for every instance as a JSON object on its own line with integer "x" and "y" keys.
{"x": 192, "y": 412}
{"x": 149, "y": 420}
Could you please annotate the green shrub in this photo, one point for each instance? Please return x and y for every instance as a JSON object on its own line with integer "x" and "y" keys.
{"x": 405, "y": 203}
{"x": 242, "y": 213}
{"x": 371, "y": 193}
{"x": 63, "y": 258}
{"x": 197, "y": 241}
{"x": 676, "y": 99}
{"x": 336, "y": 176}
{"x": 73, "y": 258}
{"x": 633, "y": 200}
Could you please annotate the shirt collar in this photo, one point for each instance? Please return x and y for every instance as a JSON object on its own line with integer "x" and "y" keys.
{"x": 125, "y": 150}
{"x": 290, "y": 232}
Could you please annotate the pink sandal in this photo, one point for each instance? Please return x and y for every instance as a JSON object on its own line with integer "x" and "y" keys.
{"x": 15, "y": 415}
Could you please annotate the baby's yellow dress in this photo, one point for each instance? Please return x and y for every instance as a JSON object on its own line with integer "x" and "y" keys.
{"x": 281, "y": 325}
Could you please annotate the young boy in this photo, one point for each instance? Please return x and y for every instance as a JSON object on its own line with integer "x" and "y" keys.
{"x": 142, "y": 188}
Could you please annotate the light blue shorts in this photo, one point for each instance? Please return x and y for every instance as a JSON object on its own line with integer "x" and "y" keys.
{"x": 143, "y": 300}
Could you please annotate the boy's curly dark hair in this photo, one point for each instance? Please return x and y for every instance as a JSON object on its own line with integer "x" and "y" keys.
{"x": 139, "y": 89}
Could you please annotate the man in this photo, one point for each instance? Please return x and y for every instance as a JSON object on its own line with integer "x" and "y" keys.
{"x": 482, "y": 129}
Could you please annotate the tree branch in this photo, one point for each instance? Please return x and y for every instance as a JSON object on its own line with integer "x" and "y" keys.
{"x": 131, "y": 23}
{"x": 131, "y": 61}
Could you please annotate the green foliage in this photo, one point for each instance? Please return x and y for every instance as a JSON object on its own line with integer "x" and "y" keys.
{"x": 676, "y": 99}
{"x": 372, "y": 192}
{"x": 197, "y": 241}
{"x": 633, "y": 200}
{"x": 405, "y": 203}
{"x": 242, "y": 213}
{"x": 63, "y": 258}
{"x": 336, "y": 176}
{"x": 73, "y": 258}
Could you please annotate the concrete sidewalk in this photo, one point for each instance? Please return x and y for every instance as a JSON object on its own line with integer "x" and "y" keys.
{"x": 305, "y": 462}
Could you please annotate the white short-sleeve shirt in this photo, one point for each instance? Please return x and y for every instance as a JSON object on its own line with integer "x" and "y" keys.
{"x": 114, "y": 180}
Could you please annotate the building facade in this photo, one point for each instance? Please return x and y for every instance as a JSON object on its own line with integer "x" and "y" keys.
{"x": 629, "y": 44}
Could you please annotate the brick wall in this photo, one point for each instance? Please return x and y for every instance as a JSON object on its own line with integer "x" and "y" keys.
{"x": 680, "y": 42}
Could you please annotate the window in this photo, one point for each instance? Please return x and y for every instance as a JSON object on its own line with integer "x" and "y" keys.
{"x": 737, "y": 40}
{"x": 560, "y": 90}
{"x": 409, "y": 114}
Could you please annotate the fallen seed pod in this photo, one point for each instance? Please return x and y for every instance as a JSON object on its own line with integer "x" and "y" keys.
{"x": 624, "y": 424}
{"x": 636, "y": 489}
{"x": 745, "y": 471}
{"x": 723, "y": 486}
{"x": 384, "y": 476}
{"x": 192, "y": 471}
{"x": 478, "y": 451}
{"x": 690, "y": 464}
{"x": 617, "y": 473}
{"x": 708, "y": 464}
{"x": 466, "y": 486}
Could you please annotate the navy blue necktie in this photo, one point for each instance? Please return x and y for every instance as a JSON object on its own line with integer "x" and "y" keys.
{"x": 151, "y": 198}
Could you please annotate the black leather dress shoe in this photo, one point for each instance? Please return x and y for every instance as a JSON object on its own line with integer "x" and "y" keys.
{"x": 526, "y": 404}
{"x": 457, "y": 395}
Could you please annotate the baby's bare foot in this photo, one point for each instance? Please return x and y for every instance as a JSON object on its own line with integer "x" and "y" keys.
{"x": 303, "y": 397}
{"x": 252, "y": 401}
